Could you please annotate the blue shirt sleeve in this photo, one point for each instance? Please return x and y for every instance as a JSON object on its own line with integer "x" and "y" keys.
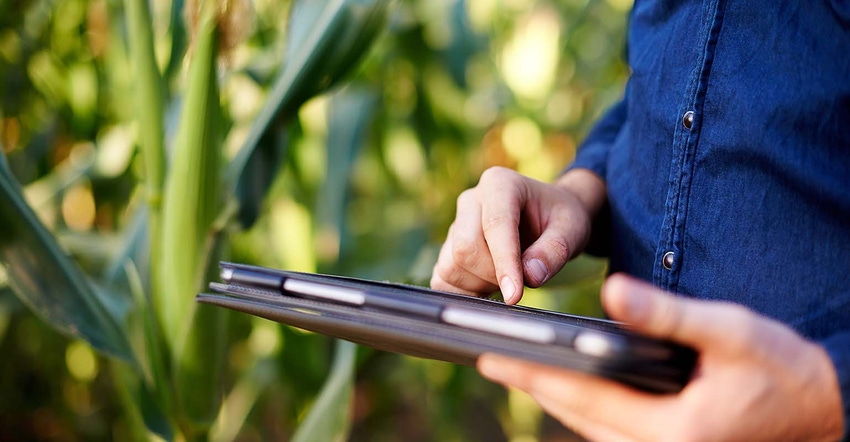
{"x": 838, "y": 348}
{"x": 593, "y": 151}
{"x": 593, "y": 155}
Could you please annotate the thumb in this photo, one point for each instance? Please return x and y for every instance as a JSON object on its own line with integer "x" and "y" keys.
{"x": 546, "y": 256}
{"x": 564, "y": 224}
{"x": 656, "y": 313}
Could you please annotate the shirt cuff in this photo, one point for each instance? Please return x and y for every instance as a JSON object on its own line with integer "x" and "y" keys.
{"x": 838, "y": 349}
{"x": 592, "y": 157}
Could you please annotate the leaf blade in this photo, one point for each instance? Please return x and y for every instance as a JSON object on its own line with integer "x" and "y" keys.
{"x": 326, "y": 40}
{"x": 191, "y": 194}
{"x": 51, "y": 284}
{"x": 329, "y": 417}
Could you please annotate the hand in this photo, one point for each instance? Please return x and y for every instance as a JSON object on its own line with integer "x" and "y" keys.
{"x": 503, "y": 214}
{"x": 756, "y": 379}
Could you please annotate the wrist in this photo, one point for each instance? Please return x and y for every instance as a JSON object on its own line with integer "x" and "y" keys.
{"x": 586, "y": 186}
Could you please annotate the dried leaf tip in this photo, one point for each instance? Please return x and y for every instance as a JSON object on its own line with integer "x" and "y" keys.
{"x": 234, "y": 22}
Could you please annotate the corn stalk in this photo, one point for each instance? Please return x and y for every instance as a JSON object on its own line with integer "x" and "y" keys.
{"x": 170, "y": 353}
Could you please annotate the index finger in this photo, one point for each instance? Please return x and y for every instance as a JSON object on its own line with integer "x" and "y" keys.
{"x": 599, "y": 403}
{"x": 500, "y": 218}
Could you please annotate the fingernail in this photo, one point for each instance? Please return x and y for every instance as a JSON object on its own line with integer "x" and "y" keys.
{"x": 508, "y": 288}
{"x": 537, "y": 270}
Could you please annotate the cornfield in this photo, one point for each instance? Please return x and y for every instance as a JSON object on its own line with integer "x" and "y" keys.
{"x": 143, "y": 141}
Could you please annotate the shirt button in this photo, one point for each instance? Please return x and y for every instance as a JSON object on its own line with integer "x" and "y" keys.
{"x": 688, "y": 120}
{"x": 667, "y": 260}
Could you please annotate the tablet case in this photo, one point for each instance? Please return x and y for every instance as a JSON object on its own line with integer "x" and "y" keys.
{"x": 643, "y": 363}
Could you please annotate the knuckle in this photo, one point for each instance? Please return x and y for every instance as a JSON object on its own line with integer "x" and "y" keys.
{"x": 498, "y": 177}
{"x": 497, "y": 221}
{"x": 446, "y": 275}
{"x": 465, "y": 198}
{"x": 559, "y": 248}
{"x": 746, "y": 331}
{"x": 497, "y": 174}
{"x": 456, "y": 280}
{"x": 436, "y": 282}
{"x": 465, "y": 252}
{"x": 668, "y": 318}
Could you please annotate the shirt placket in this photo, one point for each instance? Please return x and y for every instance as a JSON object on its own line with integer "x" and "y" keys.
{"x": 670, "y": 252}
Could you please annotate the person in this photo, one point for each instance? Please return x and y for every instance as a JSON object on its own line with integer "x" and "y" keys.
{"x": 719, "y": 188}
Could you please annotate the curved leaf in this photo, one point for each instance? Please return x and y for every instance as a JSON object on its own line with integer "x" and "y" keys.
{"x": 196, "y": 335}
{"x": 143, "y": 414}
{"x": 50, "y": 283}
{"x": 200, "y": 370}
{"x": 350, "y": 114}
{"x": 149, "y": 98}
{"x": 191, "y": 198}
{"x": 326, "y": 40}
{"x": 329, "y": 418}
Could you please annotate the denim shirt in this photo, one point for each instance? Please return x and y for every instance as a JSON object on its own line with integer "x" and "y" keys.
{"x": 727, "y": 162}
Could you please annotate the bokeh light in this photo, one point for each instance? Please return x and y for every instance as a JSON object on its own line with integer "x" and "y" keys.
{"x": 81, "y": 361}
{"x": 451, "y": 87}
{"x": 530, "y": 58}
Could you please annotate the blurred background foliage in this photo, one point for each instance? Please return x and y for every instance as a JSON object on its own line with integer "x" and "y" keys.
{"x": 366, "y": 186}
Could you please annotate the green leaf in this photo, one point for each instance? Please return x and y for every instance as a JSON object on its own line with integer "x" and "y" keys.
{"x": 201, "y": 363}
{"x": 149, "y": 97}
{"x": 329, "y": 417}
{"x": 242, "y": 398}
{"x": 155, "y": 391}
{"x": 259, "y": 171}
{"x": 196, "y": 335}
{"x": 368, "y": 20}
{"x": 135, "y": 249}
{"x": 463, "y": 45}
{"x": 191, "y": 199}
{"x": 142, "y": 412}
{"x": 326, "y": 40}
{"x": 49, "y": 282}
{"x": 348, "y": 120}
{"x": 144, "y": 240}
{"x": 201, "y": 366}
{"x": 178, "y": 39}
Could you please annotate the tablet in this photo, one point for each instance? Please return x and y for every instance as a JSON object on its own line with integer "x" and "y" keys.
{"x": 438, "y": 325}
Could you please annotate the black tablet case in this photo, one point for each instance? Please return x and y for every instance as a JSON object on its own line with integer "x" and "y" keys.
{"x": 645, "y": 364}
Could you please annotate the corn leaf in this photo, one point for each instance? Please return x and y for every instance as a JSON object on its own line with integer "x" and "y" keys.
{"x": 144, "y": 239}
{"x": 348, "y": 119}
{"x": 149, "y": 98}
{"x": 50, "y": 283}
{"x": 143, "y": 414}
{"x": 196, "y": 336}
{"x": 329, "y": 417}
{"x": 326, "y": 40}
{"x": 191, "y": 198}
{"x": 199, "y": 376}
{"x": 242, "y": 398}
{"x": 201, "y": 363}
{"x": 177, "y": 29}
{"x": 153, "y": 389}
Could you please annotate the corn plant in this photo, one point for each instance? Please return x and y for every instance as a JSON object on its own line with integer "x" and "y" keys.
{"x": 185, "y": 142}
{"x": 168, "y": 355}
